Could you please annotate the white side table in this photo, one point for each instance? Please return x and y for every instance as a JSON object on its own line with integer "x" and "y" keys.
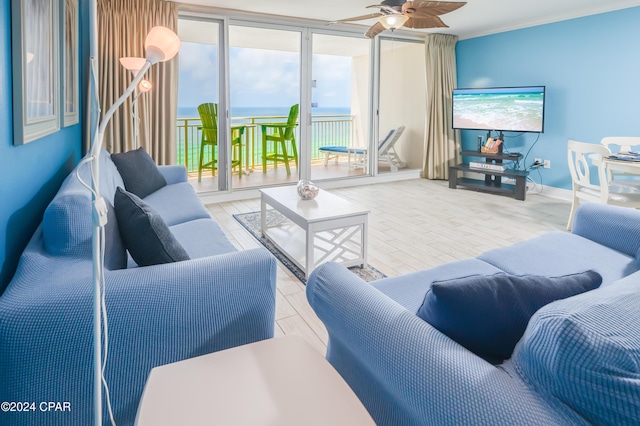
{"x": 281, "y": 381}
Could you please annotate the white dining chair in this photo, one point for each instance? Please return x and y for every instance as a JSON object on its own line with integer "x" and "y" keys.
{"x": 584, "y": 158}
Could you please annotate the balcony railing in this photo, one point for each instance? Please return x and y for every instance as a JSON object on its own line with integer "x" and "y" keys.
{"x": 325, "y": 130}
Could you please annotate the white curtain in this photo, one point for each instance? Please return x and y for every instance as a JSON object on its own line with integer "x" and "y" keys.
{"x": 442, "y": 143}
{"x": 122, "y": 28}
{"x": 40, "y": 63}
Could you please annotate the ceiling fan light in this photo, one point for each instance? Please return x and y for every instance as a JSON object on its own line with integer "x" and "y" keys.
{"x": 393, "y": 21}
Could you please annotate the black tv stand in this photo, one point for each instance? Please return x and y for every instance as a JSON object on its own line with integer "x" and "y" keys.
{"x": 493, "y": 178}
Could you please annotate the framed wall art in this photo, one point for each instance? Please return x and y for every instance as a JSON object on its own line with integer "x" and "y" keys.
{"x": 36, "y": 69}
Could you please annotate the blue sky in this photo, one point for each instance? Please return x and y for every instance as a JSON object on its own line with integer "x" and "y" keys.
{"x": 260, "y": 77}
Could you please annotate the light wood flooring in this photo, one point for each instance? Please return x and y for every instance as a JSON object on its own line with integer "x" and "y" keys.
{"x": 413, "y": 225}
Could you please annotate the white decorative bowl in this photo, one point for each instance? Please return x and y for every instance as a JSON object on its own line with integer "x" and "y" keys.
{"x": 307, "y": 190}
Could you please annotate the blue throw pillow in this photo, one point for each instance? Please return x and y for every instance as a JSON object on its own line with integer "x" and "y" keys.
{"x": 144, "y": 233}
{"x": 139, "y": 172}
{"x": 489, "y": 314}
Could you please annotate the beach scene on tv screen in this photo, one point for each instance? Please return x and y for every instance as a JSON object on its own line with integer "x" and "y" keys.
{"x": 516, "y": 109}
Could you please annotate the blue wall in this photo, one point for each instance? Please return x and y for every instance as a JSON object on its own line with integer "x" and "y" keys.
{"x": 30, "y": 174}
{"x": 590, "y": 67}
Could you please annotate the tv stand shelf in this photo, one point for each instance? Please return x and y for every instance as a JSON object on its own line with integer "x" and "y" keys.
{"x": 493, "y": 178}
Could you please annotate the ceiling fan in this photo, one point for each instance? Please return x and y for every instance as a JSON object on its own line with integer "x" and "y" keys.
{"x": 394, "y": 14}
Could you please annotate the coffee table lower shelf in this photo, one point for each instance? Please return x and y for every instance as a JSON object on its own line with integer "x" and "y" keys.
{"x": 342, "y": 245}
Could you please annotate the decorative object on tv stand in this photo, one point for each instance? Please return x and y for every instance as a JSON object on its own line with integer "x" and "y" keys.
{"x": 161, "y": 44}
{"x": 307, "y": 190}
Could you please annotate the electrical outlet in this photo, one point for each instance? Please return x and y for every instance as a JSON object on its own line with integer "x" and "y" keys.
{"x": 547, "y": 164}
{"x": 537, "y": 161}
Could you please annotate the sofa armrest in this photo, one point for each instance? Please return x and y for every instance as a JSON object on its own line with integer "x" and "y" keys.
{"x": 156, "y": 315}
{"x": 407, "y": 372}
{"x": 174, "y": 174}
{"x": 612, "y": 226}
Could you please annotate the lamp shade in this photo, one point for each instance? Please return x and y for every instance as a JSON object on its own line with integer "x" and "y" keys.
{"x": 133, "y": 64}
{"x": 161, "y": 44}
{"x": 393, "y": 21}
{"x": 144, "y": 86}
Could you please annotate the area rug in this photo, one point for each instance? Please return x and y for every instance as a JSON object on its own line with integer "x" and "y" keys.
{"x": 251, "y": 222}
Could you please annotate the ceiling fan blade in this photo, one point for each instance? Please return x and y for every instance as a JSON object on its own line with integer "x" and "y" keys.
{"x": 376, "y": 29}
{"x": 430, "y": 8}
{"x": 425, "y": 22}
{"x": 358, "y": 18}
{"x": 386, "y": 8}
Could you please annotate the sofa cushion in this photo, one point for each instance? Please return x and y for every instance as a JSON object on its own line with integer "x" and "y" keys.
{"x": 67, "y": 223}
{"x": 177, "y": 203}
{"x": 585, "y": 351}
{"x": 202, "y": 238}
{"x": 489, "y": 314}
{"x": 561, "y": 253}
{"x": 139, "y": 172}
{"x": 144, "y": 233}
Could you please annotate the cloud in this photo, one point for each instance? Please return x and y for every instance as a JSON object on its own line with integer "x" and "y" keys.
{"x": 260, "y": 77}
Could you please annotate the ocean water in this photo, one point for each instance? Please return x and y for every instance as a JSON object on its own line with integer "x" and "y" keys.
{"x": 499, "y": 111}
{"x": 192, "y": 111}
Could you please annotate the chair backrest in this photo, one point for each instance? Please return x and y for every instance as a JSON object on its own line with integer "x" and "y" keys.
{"x": 209, "y": 117}
{"x": 388, "y": 142}
{"x": 582, "y": 157}
{"x": 291, "y": 122}
{"x": 621, "y": 144}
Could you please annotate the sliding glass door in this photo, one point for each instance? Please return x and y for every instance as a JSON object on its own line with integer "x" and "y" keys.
{"x": 340, "y": 106}
{"x": 264, "y": 66}
{"x": 402, "y": 102}
{"x": 200, "y": 143}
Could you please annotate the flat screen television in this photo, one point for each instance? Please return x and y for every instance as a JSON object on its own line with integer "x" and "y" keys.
{"x": 504, "y": 109}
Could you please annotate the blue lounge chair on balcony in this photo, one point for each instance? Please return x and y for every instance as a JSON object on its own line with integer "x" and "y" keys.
{"x": 386, "y": 152}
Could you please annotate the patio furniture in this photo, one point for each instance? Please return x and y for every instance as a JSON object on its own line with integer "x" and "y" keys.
{"x": 386, "y": 152}
{"x": 209, "y": 117}
{"x": 358, "y": 155}
{"x": 281, "y": 134}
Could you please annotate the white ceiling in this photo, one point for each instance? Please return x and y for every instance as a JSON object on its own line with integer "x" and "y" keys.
{"x": 476, "y": 18}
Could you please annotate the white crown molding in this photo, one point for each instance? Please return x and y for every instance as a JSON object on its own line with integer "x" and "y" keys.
{"x": 604, "y": 8}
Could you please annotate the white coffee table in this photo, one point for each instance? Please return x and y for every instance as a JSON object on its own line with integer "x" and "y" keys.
{"x": 311, "y": 232}
{"x": 281, "y": 381}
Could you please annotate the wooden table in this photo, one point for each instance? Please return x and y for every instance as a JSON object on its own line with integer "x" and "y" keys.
{"x": 281, "y": 381}
{"x": 327, "y": 228}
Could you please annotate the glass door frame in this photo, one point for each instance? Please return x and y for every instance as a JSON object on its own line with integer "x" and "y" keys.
{"x": 224, "y": 121}
{"x": 304, "y": 125}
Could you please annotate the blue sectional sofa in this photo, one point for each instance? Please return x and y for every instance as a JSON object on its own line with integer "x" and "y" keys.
{"x": 578, "y": 361}
{"x": 157, "y": 314}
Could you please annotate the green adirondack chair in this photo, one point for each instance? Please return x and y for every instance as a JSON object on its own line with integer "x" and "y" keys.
{"x": 283, "y": 139}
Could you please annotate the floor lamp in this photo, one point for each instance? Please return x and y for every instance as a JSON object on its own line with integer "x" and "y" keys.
{"x": 161, "y": 45}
